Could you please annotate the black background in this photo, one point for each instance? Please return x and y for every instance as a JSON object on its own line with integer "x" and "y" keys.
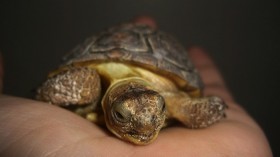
{"x": 241, "y": 36}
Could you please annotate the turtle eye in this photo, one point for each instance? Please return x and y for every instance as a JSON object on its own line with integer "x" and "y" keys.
{"x": 119, "y": 116}
{"x": 161, "y": 104}
{"x": 121, "y": 113}
{"x": 163, "y": 108}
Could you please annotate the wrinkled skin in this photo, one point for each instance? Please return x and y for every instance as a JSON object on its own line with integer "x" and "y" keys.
{"x": 32, "y": 128}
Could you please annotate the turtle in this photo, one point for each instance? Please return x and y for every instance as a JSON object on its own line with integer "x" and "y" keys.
{"x": 135, "y": 80}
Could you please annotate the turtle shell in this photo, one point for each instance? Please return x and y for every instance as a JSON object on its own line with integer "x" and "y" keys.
{"x": 143, "y": 46}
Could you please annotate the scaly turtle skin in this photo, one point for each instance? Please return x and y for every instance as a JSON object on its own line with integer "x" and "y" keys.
{"x": 133, "y": 78}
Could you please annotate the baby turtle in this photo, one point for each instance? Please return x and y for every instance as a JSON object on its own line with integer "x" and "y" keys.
{"x": 135, "y": 79}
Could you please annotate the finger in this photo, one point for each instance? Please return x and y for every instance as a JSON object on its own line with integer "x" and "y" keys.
{"x": 145, "y": 20}
{"x": 213, "y": 81}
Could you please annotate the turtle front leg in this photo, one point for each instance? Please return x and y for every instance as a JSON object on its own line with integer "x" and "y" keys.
{"x": 76, "y": 88}
{"x": 194, "y": 112}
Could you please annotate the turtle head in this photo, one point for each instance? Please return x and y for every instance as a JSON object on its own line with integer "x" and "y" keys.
{"x": 134, "y": 112}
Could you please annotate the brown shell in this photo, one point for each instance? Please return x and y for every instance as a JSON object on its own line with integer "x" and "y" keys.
{"x": 139, "y": 45}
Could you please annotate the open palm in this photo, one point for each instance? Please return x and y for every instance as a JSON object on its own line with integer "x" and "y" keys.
{"x": 32, "y": 128}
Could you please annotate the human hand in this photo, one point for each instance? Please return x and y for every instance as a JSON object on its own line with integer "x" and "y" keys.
{"x": 32, "y": 128}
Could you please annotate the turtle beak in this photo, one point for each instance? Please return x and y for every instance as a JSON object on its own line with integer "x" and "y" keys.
{"x": 141, "y": 139}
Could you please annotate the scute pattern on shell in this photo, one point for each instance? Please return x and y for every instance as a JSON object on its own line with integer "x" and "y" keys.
{"x": 141, "y": 45}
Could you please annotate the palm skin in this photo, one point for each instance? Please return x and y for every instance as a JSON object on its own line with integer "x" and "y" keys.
{"x": 32, "y": 128}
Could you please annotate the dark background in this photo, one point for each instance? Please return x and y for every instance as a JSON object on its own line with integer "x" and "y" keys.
{"x": 241, "y": 36}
